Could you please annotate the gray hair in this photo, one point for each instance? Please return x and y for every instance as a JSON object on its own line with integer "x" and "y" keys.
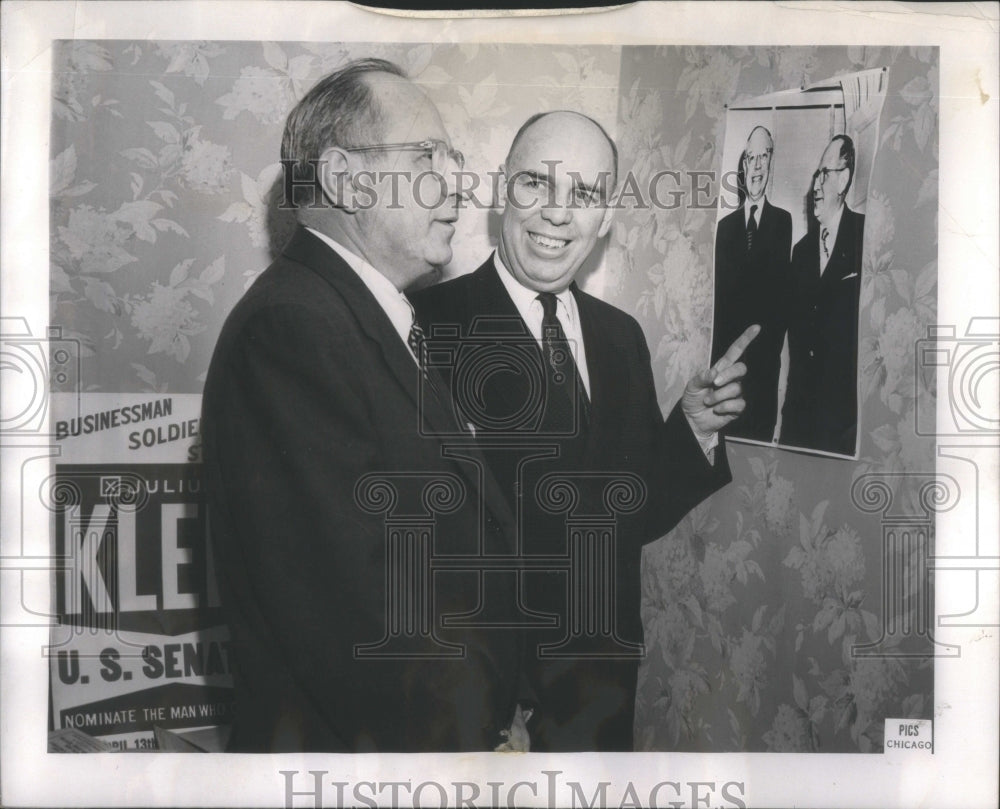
{"x": 339, "y": 110}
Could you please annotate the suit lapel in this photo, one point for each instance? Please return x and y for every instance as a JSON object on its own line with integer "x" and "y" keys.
{"x": 840, "y": 264}
{"x": 740, "y": 238}
{"x": 492, "y": 300}
{"x": 607, "y": 374}
{"x": 766, "y": 217}
{"x": 307, "y": 249}
{"x": 311, "y": 251}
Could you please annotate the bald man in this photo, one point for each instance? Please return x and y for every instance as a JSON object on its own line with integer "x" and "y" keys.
{"x": 752, "y": 249}
{"x": 570, "y": 396}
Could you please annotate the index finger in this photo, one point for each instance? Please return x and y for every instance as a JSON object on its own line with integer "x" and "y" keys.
{"x": 735, "y": 351}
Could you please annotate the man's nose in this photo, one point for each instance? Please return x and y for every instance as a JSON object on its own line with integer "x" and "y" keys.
{"x": 557, "y": 212}
{"x": 448, "y": 211}
{"x": 449, "y": 193}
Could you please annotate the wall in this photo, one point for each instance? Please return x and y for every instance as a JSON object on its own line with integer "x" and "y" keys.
{"x": 164, "y": 156}
{"x": 753, "y": 604}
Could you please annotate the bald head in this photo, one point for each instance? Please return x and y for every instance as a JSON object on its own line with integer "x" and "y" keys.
{"x": 757, "y": 156}
{"x": 560, "y": 171}
{"x": 561, "y": 126}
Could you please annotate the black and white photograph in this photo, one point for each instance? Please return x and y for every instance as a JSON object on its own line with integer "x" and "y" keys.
{"x": 467, "y": 395}
{"x": 804, "y": 363}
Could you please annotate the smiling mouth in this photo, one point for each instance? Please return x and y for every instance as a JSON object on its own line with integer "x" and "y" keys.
{"x": 547, "y": 242}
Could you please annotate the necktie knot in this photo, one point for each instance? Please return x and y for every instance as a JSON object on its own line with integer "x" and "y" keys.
{"x": 549, "y": 302}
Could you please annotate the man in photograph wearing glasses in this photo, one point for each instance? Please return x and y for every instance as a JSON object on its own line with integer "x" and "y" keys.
{"x": 820, "y": 409}
{"x": 752, "y": 249}
{"x": 313, "y": 388}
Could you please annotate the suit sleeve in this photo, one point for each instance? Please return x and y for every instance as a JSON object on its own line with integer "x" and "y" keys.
{"x": 681, "y": 475}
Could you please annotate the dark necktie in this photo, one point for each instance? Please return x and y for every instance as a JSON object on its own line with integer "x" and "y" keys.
{"x": 751, "y": 227}
{"x": 565, "y": 388}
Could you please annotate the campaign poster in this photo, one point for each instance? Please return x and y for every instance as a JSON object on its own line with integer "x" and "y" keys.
{"x": 139, "y": 651}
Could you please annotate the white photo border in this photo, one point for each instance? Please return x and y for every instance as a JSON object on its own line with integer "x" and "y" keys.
{"x": 963, "y": 769}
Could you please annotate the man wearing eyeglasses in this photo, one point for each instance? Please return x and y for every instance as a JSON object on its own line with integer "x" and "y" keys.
{"x": 820, "y": 408}
{"x": 752, "y": 249}
{"x": 587, "y": 365}
{"x": 315, "y": 465}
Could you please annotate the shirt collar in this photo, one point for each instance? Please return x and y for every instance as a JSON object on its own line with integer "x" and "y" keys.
{"x": 832, "y": 229}
{"x": 524, "y": 297}
{"x": 760, "y": 209}
{"x": 393, "y": 302}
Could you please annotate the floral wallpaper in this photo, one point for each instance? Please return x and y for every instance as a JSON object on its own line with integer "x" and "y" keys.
{"x": 165, "y": 174}
{"x": 163, "y": 177}
{"x": 753, "y": 604}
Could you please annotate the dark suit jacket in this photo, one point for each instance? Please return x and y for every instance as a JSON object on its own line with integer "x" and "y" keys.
{"x": 582, "y": 704}
{"x": 751, "y": 287}
{"x": 821, "y": 408}
{"x": 309, "y": 390}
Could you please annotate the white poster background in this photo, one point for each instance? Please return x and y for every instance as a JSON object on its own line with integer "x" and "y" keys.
{"x": 963, "y": 769}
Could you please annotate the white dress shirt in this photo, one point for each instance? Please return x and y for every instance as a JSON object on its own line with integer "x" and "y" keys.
{"x": 393, "y": 302}
{"x": 756, "y": 214}
{"x": 530, "y": 309}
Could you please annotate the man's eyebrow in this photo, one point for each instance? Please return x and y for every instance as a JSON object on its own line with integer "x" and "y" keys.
{"x": 533, "y": 175}
{"x": 598, "y": 188}
{"x": 590, "y": 189}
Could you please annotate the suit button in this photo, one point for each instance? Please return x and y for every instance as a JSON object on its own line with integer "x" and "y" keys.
{"x": 812, "y": 353}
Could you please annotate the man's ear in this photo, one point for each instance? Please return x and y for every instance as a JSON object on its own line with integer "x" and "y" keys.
{"x": 501, "y": 188}
{"x": 843, "y": 178}
{"x": 609, "y": 214}
{"x": 334, "y": 169}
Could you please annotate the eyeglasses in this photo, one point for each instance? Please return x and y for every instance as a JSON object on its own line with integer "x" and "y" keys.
{"x": 763, "y": 157}
{"x": 439, "y": 152}
{"x": 529, "y": 187}
{"x": 824, "y": 173}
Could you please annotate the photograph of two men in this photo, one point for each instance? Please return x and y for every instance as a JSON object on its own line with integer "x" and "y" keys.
{"x": 519, "y": 392}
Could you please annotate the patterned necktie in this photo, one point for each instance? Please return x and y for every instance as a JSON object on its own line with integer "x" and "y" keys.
{"x": 415, "y": 339}
{"x": 429, "y": 380}
{"x": 565, "y": 388}
{"x": 824, "y": 236}
{"x": 751, "y": 227}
